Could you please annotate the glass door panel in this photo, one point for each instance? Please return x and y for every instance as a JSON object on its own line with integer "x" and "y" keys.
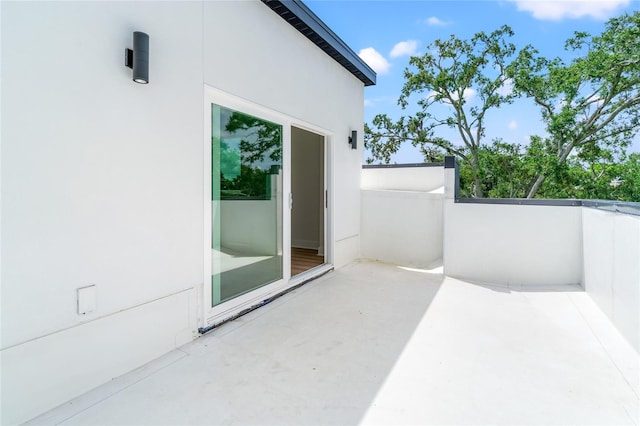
{"x": 246, "y": 203}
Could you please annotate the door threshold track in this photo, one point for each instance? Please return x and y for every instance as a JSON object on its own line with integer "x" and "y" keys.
{"x": 305, "y": 280}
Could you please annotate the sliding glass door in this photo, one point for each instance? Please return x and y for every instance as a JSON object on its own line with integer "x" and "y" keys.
{"x": 246, "y": 203}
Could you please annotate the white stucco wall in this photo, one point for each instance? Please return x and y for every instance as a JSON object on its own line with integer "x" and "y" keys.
{"x": 513, "y": 244}
{"x": 101, "y": 184}
{"x": 102, "y": 178}
{"x": 402, "y": 227}
{"x": 402, "y": 215}
{"x": 612, "y": 268}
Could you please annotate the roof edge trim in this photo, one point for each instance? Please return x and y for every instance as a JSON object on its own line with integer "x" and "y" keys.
{"x": 299, "y": 16}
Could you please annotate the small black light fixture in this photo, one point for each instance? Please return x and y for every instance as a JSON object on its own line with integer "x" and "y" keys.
{"x": 138, "y": 58}
{"x": 353, "y": 139}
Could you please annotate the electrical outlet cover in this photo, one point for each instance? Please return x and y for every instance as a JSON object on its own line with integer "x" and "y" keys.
{"x": 86, "y": 299}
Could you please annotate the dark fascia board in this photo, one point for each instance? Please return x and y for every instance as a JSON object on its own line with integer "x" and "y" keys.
{"x": 306, "y": 22}
{"x": 624, "y": 207}
{"x": 521, "y": 201}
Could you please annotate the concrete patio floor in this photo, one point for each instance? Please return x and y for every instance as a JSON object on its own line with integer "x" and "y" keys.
{"x": 380, "y": 344}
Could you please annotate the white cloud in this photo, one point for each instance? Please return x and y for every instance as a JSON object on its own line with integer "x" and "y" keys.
{"x": 557, "y": 10}
{"x": 559, "y": 105}
{"x": 513, "y": 124}
{"x": 507, "y": 88}
{"x": 404, "y": 48}
{"x": 368, "y": 102}
{"x": 431, "y": 94}
{"x": 468, "y": 95}
{"x": 375, "y": 60}
{"x": 436, "y": 22}
{"x": 596, "y": 100}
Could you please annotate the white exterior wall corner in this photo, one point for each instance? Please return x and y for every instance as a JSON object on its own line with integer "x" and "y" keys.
{"x": 612, "y": 268}
{"x": 102, "y": 178}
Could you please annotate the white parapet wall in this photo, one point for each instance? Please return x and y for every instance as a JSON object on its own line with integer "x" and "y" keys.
{"x": 612, "y": 268}
{"x": 403, "y": 178}
{"x": 401, "y": 216}
{"x": 538, "y": 243}
{"x": 402, "y": 227}
{"x": 517, "y": 245}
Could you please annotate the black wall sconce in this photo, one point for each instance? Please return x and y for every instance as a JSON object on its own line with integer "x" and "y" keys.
{"x": 353, "y": 139}
{"x": 138, "y": 58}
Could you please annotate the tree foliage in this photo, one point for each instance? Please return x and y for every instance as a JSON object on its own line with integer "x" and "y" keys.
{"x": 590, "y": 105}
{"x": 590, "y": 108}
{"x": 450, "y": 71}
{"x": 509, "y": 170}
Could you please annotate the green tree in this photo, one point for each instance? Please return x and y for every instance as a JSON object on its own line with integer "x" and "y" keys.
{"x": 626, "y": 179}
{"x": 504, "y": 169}
{"x": 443, "y": 79}
{"x": 608, "y": 178}
{"x": 510, "y": 170}
{"x": 589, "y": 106}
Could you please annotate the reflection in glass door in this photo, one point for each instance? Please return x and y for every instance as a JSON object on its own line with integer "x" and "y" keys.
{"x": 246, "y": 203}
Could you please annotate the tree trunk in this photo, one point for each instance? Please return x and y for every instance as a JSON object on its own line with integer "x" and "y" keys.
{"x": 477, "y": 189}
{"x": 562, "y": 158}
{"x": 536, "y": 186}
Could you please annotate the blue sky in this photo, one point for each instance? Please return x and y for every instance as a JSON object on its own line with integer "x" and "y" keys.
{"x": 386, "y": 33}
